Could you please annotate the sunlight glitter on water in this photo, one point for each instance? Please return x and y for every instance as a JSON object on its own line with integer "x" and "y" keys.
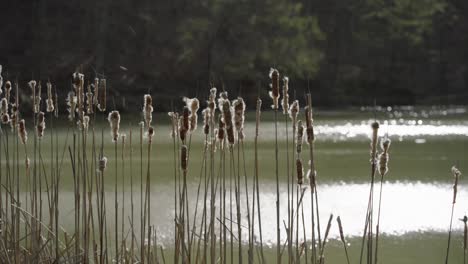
{"x": 406, "y": 207}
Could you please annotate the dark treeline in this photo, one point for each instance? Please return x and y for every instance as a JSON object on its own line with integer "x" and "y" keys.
{"x": 347, "y": 52}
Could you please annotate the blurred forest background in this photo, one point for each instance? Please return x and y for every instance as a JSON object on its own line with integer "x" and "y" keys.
{"x": 347, "y": 52}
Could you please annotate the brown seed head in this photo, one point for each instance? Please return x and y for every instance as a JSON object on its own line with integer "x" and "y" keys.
{"x": 114, "y": 122}
{"x": 274, "y": 93}
{"x": 22, "y": 133}
{"x": 285, "y": 101}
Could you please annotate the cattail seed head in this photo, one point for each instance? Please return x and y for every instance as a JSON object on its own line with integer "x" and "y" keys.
{"x": 40, "y": 127}
{"x": 384, "y": 156}
{"x": 206, "y": 120}
{"x": 239, "y": 116}
{"x": 5, "y": 118}
{"x": 300, "y": 172}
{"x": 27, "y": 163}
{"x": 102, "y": 164}
{"x": 465, "y": 232}
{"x": 340, "y": 227}
{"x": 148, "y": 109}
{"x": 7, "y": 90}
{"x": 193, "y": 105}
{"x": 14, "y": 116}
{"x": 293, "y": 111}
{"x": 49, "y": 101}
{"x": 184, "y": 123}
{"x": 22, "y": 133}
{"x": 96, "y": 91}
{"x": 71, "y": 103}
{"x": 274, "y": 93}
{"x": 184, "y": 158}
{"x": 89, "y": 101}
{"x": 150, "y": 134}
{"x": 85, "y": 123}
{"x": 227, "y": 118}
{"x": 102, "y": 99}
{"x": 300, "y": 137}
{"x": 221, "y": 132}
{"x": 174, "y": 120}
{"x": 114, "y": 121}
{"x": 285, "y": 101}
{"x": 374, "y": 139}
{"x": 257, "y": 118}
{"x": 4, "y": 106}
{"x": 456, "y": 174}
{"x": 212, "y": 100}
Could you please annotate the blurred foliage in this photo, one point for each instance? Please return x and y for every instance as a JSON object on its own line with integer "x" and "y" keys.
{"x": 346, "y": 52}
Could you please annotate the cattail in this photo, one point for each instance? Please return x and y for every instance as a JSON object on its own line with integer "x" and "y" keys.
{"x": 383, "y": 157}
{"x": 40, "y": 127}
{"x": 37, "y": 102}
{"x": 221, "y": 132}
{"x": 22, "y": 133}
{"x": 184, "y": 158}
{"x": 27, "y": 163}
{"x": 456, "y": 174}
{"x": 150, "y": 134}
{"x": 49, "y": 101}
{"x": 184, "y": 123}
{"x": 375, "y": 130}
{"x": 258, "y": 113}
{"x": 206, "y": 120}
{"x": 71, "y": 102}
{"x": 102, "y": 164}
{"x": 274, "y": 93}
{"x": 96, "y": 91}
{"x": 223, "y": 96}
{"x": 7, "y": 90}
{"x": 102, "y": 95}
{"x": 309, "y": 125}
{"x": 148, "y": 109}
{"x": 192, "y": 104}
{"x": 239, "y": 116}
{"x": 14, "y": 116}
{"x": 285, "y": 101}
{"x": 5, "y": 118}
{"x": 212, "y": 100}
{"x": 114, "y": 121}
{"x": 174, "y": 119}
{"x": 312, "y": 175}
{"x": 300, "y": 137}
{"x": 227, "y": 118}
{"x": 293, "y": 111}
{"x": 89, "y": 101}
{"x": 32, "y": 84}
{"x": 340, "y": 228}
{"x": 76, "y": 80}
{"x": 85, "y": 123}
{"x": 300, "y": 172}
{"x": 4, "y": 106}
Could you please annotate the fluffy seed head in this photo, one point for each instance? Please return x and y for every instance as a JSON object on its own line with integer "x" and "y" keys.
{"x": 285, "y": 101}
{"x": 49, "y": 101}
{"x": 293, "y": 111}
{"x": 221, "y": 132}
{"x": 193, "y": 105}
{"x": 7, "y": 90}
{"x": 1, "y": 80}
{"x": 27, "y": 163}
{"x": 257, "y": 118}
{"x": 456, "y": 174}
{"x": 22, "y": 133}
{"x": 239, "y": 116}
{"x": 148, "y": 109}
{"x": 89, "y": 101}
{"x": 4, "y": 106}
{"x": 274, "y": 93}
{"x": 71, "y": 103}
{"x": 40, "y": 124}
{"x": 96, "y": 91}
{"x": 374, "y": 139}
{"x": 212, "y": 100}
{"x": 114, "y": 121}
{"x": 300, "y": 137}
{"x": 102, "y": 164}
{"x": 174, "y": 119}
